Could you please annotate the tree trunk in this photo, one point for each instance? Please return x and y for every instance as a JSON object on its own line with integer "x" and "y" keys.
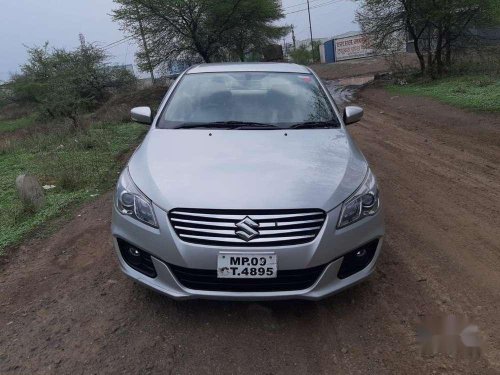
{"x": 448, "y": 56}
{"x": 447, "y": 49}
{"x": 438, "y": 53}
{"x": 204, "y": 55}
{"x": 146, "y": 50}
{"x": 201, "y": 49}
{"x": 430, "y": 60}
{"x": 420, "y": 56}
{"x": 416, "y": 41}
{"x": 75, "y": 121}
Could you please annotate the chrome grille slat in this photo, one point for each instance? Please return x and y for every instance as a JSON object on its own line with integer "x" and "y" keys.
{"x": 287, "y": 223}
{"x": 212, "y": 223}
{"x": 231, "y": 223}
{"x": 237, "y": 240}
{"x": 221, "y": 227}
{"x": 231, "y": 232}
{"x": 239, "y": 217}
{"x": 219, "y": 224}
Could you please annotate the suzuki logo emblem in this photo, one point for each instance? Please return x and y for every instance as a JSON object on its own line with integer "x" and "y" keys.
{"x": 247, "y": 229}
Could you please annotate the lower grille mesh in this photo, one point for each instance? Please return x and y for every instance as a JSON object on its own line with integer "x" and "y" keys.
{"x": 285, "y": 281}
{"x": 250, "y": 228}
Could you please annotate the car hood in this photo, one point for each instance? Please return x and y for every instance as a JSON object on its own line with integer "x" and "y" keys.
{"x": 248, "y": 169}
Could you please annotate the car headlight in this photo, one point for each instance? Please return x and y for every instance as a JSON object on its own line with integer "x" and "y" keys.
{"x": 364, "y": 202}
{"x": 132, "y": 202}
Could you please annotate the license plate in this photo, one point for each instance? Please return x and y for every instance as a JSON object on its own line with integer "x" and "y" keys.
{"x": 251, "y": 266}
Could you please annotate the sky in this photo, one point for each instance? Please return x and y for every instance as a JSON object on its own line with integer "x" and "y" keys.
{"x": 33, "y": 22}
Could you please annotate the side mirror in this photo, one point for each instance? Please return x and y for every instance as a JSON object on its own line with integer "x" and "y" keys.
{"x": 352, "y": 114}
{"x": 142, "y": 115}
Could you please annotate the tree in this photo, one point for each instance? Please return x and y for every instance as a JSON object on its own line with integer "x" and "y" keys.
{"x": 304, "y": 55}
{"x": 315, "y": 54}
{"x": 301, "y": 55}
{"x": 436, "y": 27}
{"x": 197, "y": 30}
{"x": 254, "y": 29}
{"x": 66, "y": 84}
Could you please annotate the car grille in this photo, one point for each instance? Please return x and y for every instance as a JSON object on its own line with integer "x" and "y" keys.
{"x": 285, "y": 280}
{"x": 274, "y": 228}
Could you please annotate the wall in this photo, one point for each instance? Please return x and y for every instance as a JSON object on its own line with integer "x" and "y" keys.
{"x": 352, "y": 47}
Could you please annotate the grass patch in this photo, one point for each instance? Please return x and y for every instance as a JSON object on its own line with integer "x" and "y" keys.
{"x": 11, "y": 125}
{"x": 80, "y": 165}
{"x": 476, "y": 92}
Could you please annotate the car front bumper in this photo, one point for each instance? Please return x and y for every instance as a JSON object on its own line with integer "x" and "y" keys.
{"x": 327, "y": 249}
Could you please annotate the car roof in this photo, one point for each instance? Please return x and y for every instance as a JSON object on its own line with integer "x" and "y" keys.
{"x": 248, "y": 67}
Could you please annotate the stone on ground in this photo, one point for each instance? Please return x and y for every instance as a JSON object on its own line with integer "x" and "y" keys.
{"x": 30, "y": 191}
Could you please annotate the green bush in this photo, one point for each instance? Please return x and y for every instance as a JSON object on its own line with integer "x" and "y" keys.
{"x": 301, "y": 55}
{"x": 304, "y": 56}
{"x": 67, "y": 84}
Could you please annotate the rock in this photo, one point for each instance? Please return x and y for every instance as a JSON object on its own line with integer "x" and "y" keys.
{"x": 344, "y": 350}
{"x": 30, "y": 191}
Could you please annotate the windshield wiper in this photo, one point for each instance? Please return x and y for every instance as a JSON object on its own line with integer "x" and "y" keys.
{"x": 315, "y": 124}
{"x": 245, "y": 124}
{"x": 226, "y": 125}
{"x": 195, "y": 125}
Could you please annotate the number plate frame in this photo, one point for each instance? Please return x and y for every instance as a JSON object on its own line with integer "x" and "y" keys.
{"x": 247, "y": 265}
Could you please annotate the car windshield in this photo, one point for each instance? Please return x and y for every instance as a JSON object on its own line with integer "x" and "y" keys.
{"x": 243, "y": 100}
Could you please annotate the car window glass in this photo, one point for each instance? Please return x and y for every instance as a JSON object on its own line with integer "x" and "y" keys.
{"x": 282, "y": 99}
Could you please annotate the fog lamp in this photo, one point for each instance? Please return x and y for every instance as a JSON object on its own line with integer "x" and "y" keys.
{"x": 360, "y": 253}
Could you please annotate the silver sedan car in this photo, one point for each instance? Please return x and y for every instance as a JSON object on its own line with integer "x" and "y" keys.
{"x": 247, "y": 187}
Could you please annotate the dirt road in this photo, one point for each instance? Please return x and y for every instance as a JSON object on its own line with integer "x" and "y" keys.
{"x": 66, "y": 308}
{"x": 362, "y": 67}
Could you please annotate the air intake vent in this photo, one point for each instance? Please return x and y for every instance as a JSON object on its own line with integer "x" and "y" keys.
{"x": 247, "y": 228}
{"x": 286, "y": 280}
